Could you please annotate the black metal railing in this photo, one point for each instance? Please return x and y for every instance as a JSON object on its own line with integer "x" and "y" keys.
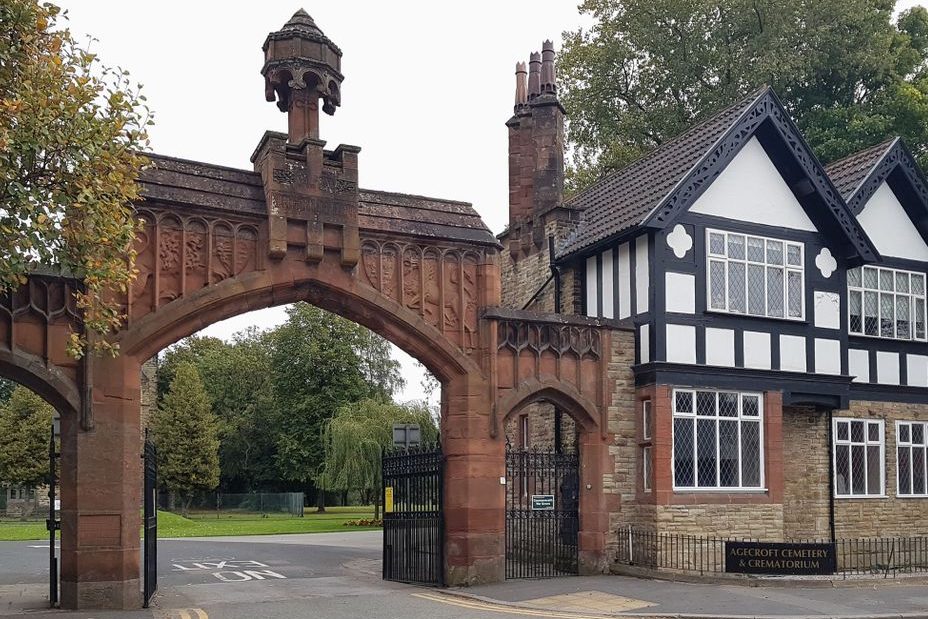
{"x": 413, "y": 524}
{"x": 676, "y": 552}
{"x": 542, "y": 520}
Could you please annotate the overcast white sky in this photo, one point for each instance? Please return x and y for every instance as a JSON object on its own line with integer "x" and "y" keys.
{"x": 428, "y": 88}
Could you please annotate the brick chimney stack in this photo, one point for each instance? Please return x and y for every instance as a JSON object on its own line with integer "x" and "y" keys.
{"x": 536, "y": 154}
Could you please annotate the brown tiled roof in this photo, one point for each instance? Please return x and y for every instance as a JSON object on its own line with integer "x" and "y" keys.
{"x": 847, "y": 174}
{"x": 199, "y": 185}
{"x": 624, "y": 199}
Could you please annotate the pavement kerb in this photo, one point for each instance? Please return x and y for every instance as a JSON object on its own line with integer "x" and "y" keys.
{"x": 464, "y": 594}
{"x": 744, "y": 580}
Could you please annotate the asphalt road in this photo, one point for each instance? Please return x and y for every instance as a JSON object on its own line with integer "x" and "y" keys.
{"x": 337, "y": 576}
{"x": 319, "y": 575}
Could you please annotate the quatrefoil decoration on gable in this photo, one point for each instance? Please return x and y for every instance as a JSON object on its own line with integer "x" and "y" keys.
{"x": 826, "y": 263}
{"x": 679, "y": 241}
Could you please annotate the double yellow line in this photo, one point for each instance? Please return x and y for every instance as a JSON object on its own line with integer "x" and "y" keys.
{"x": 460, "y": 602}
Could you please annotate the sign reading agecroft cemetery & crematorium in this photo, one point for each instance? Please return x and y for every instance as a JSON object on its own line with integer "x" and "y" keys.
{"x": 779, "y": 558}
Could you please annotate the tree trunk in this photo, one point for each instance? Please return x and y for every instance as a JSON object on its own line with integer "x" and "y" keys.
{"x": 320, "y": 500}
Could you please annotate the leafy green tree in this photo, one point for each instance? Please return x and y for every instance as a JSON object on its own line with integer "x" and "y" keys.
{"x": 188, "y": 350}
{"x": 355, "y": 438}
{"x": 379, "y": 368}
{"x": 238, "y": 378}
{"x": 186, "y": 434}
{"x": 25, "y": 425}
{"x": 71, "y": 132}
{"x": 316, "y": 370}
{"x": 648, "y": 69}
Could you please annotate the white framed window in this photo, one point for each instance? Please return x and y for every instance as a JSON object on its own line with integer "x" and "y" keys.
{"x": 717, "y": 440}
{"x": 860, "y": 470}
{"x": 755, "y": 275}
{"x": 646, "y": 468}
{"x": 646, "y": 421}
{"x": 887, "y": 303}
{"x": 911, "y": 458}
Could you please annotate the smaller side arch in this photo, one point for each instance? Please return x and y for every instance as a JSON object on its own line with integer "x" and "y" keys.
{"x": 532, "y": 390}
{"x": 31, "y": 372}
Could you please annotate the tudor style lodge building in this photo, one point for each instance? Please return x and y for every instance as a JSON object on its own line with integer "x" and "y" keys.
{"x": 726, "y": 338}
{"x": 778, "y": 388}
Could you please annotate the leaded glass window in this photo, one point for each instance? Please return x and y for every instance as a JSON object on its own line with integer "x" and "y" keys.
{"x": 911, "y": 458}
{"x": 859, "y": 467}
{"x": 717, "y": 440}
{"x": 755, "y": 275}
{"x": 887, "y": 303}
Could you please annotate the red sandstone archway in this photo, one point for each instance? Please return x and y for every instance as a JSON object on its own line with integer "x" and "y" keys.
{"x": 217, "y": 242}
{"x": 593, "y": 449}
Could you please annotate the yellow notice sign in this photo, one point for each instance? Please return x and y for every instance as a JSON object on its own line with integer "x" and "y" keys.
{"x": 388, "y": 500}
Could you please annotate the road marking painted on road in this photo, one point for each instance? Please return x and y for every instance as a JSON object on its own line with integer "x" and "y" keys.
{"x": 247, "y": 575}
{"x": 500, "y": 608}
{"x": 226, "y": 569}
{"x": 181, "y": 613}
{"x": 215, "y": 565}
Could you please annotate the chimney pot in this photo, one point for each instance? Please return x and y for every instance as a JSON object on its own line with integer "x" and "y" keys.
{"x": 534, "y": 75}
{"x": 548, "y": 79}
{"x": 521, "y": 93}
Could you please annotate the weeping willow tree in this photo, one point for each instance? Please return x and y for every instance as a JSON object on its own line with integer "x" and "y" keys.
{"x": 354, "y": 439}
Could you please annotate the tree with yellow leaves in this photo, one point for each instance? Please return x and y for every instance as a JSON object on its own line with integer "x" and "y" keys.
{"x": 71, "y": 135}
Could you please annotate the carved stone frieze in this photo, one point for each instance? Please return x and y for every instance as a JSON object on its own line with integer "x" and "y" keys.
{"x": 192, "y": 253}
{"x": 438, "y": 283}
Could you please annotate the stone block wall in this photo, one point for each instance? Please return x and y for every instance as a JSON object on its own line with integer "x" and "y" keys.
{"x": 809, "y": 481}
{"x": 620, "y": 482}
{"x": 523, "y": 274}
{"x": 805, "y": 473}
{"x": 541, "y": 419}
{"x": 149, "y": 394}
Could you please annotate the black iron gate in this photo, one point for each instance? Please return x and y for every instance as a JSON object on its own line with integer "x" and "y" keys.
{"x": 413, "y": 526}
{"x": 52, "y": 523}
{"x": 150, "y": 522}
{"x": 542, "y": 515}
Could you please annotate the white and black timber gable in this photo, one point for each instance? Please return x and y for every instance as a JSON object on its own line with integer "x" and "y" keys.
{"x": 654, "y": 191}
{"x": 748, "y": 243}
{"x": 888, "y": 344}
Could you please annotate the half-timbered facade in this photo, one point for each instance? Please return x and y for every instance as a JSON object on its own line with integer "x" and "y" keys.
{"x": 779, "y": 311}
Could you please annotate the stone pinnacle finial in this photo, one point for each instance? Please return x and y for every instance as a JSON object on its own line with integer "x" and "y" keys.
{"x": 534, "y": 75}
{"x": 302, "y": 20}
{"x": 548, "y": 79}
{"x": 302, "y": 66}
{"x": 521, "y": 93}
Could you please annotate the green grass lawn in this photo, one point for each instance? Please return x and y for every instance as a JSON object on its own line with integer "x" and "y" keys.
{"x": 207, "y": 524}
